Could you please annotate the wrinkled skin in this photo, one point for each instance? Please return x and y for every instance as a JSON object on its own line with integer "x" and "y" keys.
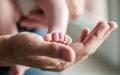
{"x": 31, "y": 50}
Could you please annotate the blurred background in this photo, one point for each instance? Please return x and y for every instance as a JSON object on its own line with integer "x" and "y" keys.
{"x": 106, "y": 61}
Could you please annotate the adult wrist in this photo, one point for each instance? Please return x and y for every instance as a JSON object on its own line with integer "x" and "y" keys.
{"x": 4, "y": 57}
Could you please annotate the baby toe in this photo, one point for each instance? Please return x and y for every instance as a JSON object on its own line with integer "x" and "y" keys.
{"x": 55, "y": 37}
{"x": 61, "y": 36}
{"x": 48, "y": 37}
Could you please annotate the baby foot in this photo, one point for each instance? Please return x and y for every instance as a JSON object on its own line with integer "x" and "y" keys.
{"x": 58, "y": 37}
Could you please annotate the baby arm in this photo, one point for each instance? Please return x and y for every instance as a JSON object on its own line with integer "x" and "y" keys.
{"x": 9, "y": 15}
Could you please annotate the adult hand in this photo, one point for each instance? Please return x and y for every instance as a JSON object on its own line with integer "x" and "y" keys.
{"x": 9, "y": 16}
{"x": 90, "y": 41}
{"x": 33, "y": 51}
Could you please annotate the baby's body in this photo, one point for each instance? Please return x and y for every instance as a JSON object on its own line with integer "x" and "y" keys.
{"x": 57, "y": 26}
{"x": 26, "y": 6}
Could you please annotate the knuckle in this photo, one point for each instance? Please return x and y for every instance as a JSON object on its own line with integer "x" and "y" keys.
{"x": 95, "y": 36}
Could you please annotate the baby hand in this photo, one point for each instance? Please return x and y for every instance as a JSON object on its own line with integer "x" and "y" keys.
{"x": 34, "y": 20}
{"x": 58, "y": 37}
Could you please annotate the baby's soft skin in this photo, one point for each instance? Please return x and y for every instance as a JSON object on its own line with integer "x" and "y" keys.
{"x": 58, "y": 37}
{"x": 55, "y": 17}
{"x": 53, "y": 11}
{"x": 38, "y": 20}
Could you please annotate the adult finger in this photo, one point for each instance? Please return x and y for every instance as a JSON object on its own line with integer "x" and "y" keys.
{"x": 91, "y": 42}
{"x": 112, "y": 26}
{"x": 61, "y": 51}
{"x": 96, "y": 36}
{"x": 37, "y": 17}
{"x": 83, "y": 34}
{"x": 32, "y": 23}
